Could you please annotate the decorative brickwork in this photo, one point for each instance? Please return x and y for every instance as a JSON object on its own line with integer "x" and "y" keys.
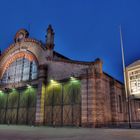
{"x": 16, "y": 56}
{"x": 40, "y": 95}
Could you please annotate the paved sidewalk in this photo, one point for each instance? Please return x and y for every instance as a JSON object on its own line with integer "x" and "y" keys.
{"x": 65, "y": 133}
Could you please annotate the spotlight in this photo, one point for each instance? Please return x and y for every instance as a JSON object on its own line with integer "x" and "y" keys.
{"x": 52, "y": 81}
{"x": 13, "y": 89}
{"x": 1, "y": 92}
{"x": 28, "y": 86}
{"x": 73, "y": 79}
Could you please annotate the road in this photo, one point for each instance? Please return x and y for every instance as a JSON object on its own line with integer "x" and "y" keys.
{"x": 65, "y": 133}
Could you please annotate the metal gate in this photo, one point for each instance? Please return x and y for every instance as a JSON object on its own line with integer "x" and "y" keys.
{"x": 18, "y": 106}
{"x": 63, "y": 104}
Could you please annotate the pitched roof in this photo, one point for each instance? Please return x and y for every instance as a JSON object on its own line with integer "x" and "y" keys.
{"x": 134, "y": 64}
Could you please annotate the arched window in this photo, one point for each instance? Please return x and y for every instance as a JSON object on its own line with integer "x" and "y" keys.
{"x": 20, "y": 70}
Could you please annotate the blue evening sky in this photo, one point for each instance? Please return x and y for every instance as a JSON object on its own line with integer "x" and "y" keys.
{"x": 84, "y": 29}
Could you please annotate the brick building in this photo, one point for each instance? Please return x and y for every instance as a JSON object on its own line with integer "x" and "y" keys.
{"x": 39, "y": 86}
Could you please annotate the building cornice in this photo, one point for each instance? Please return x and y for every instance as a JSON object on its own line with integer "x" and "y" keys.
{"x": 25, "y": 40}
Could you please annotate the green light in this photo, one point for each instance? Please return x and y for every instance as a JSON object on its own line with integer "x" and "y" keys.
{"x": 29, "y": 86}
{"x": 1, "y": 92}
{"x": 54, "y": 82}
{"x": 13, "y": 89}
{"x": 73, "y": 80}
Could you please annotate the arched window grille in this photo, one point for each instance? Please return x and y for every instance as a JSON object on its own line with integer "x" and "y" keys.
{"x": 20, "y": 70}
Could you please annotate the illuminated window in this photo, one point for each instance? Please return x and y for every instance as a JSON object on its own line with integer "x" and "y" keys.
{"x": 20, "y": 70}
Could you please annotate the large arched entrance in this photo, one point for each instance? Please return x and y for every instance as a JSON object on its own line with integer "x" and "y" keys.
{"x": 17, "y": 106}
{"x": 63, "y": 103}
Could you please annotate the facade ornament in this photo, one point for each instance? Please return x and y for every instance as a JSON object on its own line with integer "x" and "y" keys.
{"x": 21, "y": 35}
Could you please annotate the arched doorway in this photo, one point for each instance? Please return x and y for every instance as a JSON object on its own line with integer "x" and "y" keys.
{"x": 63, "y": 103}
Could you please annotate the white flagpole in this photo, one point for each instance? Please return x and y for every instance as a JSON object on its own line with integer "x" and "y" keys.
{"x": 125, "y": 83}
{"x": 123, "y": 61}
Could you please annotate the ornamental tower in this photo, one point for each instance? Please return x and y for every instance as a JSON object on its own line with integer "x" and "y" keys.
{"x": 49, "y": 43}
{"x": 50, "y": 38}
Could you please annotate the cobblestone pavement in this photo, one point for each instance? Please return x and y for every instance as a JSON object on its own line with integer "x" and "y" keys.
{"x": 65, "y": 133}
